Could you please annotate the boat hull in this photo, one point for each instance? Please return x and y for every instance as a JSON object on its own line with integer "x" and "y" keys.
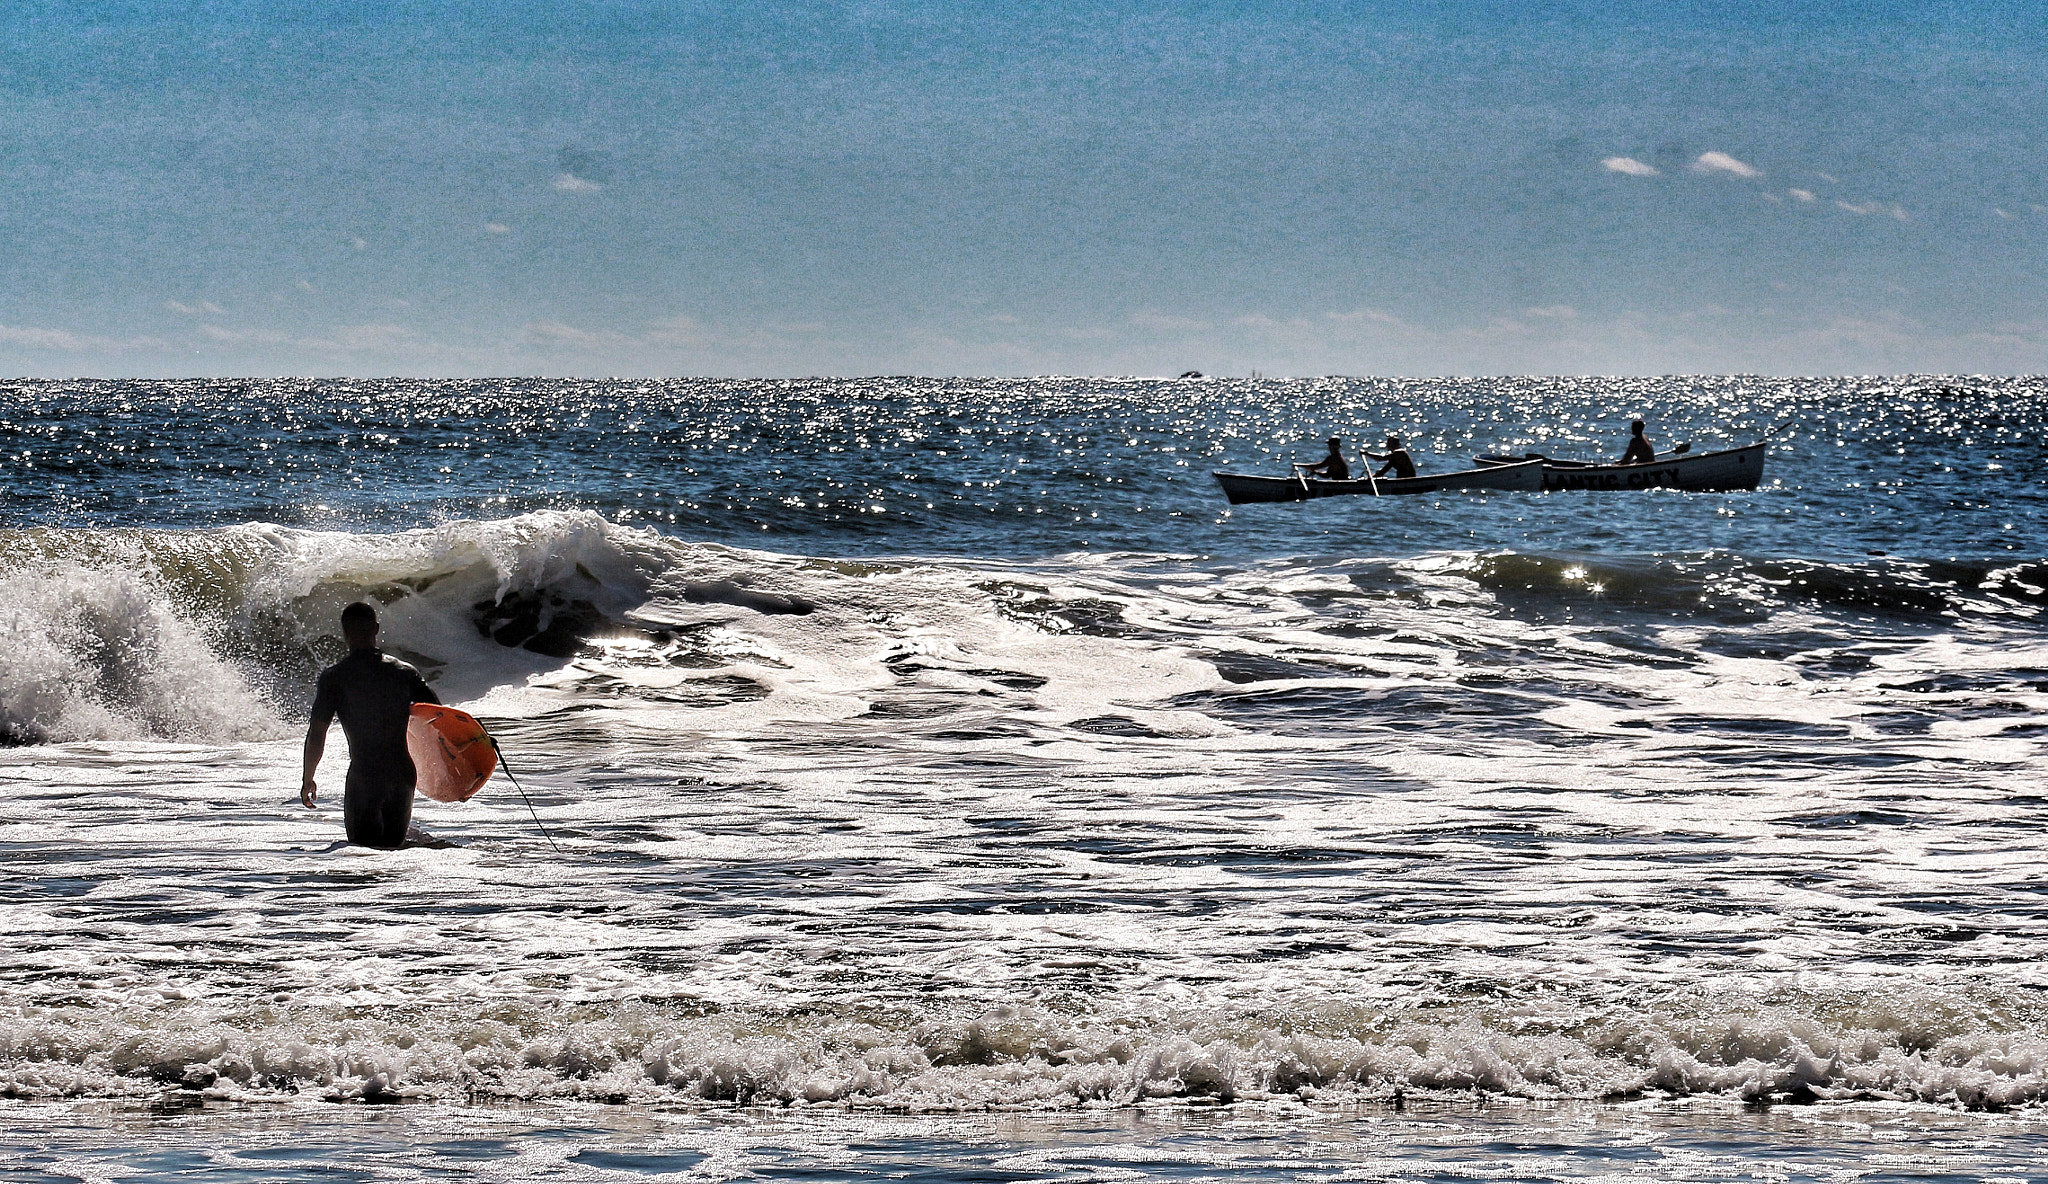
{"x": 1245, "y": 489}
{"x": 1701, "y": 472}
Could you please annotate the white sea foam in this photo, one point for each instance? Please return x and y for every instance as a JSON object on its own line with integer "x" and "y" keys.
{"x": 1086, "y": 832}
{"x": 210, "y": 634}
{"x": 1900, "y": 1047}
{"x": 102, "y": 652}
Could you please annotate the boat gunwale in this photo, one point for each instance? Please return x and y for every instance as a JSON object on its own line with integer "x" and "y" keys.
{"x": 1313, "y": 488}
{"x": 1669, "y": 458}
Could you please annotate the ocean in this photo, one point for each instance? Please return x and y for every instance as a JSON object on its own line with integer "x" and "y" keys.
{"x": 937, "y": 779}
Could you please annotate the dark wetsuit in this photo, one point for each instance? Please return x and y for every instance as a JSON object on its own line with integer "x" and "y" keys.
{"x": 373, "y": 694}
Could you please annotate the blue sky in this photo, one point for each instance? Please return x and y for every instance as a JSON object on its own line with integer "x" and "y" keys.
{"x": 639, "y": 188}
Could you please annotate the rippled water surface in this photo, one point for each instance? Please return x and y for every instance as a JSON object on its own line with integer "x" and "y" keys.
{"x": 1073, "y": 824}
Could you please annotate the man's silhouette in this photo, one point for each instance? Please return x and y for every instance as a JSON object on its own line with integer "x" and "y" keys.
{"x": 373, "y": 693}
{"x": 1397, "y": 459}
{"x": 1332, "y": 467}
{"x": 1639, "y": 451}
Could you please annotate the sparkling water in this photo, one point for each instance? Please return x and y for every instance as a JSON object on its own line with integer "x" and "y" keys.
{"x": 939, "y": 779}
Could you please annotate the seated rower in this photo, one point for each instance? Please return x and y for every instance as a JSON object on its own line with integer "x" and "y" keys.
{"x": 1639, "y": 451}
{"x": 1332, "y": 467}
{"x": 1397, "y": 459}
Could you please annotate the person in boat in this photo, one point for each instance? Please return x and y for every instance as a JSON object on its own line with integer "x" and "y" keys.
{"x": 373, "y": 693}
{"x": 1639, "y": 451}
{"x": 1397, "y": 459}
{"x": 1332, "y": 467}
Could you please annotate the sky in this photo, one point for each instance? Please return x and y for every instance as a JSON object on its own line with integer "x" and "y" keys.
{"x": 665, "y": 188}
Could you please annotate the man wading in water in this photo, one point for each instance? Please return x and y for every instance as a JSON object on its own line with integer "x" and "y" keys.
{"x": 373, "y": 693}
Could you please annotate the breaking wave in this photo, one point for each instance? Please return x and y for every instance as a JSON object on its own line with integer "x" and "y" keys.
{"x": 213, "y": 635}
{"x": 210, "y": 635}
{"x": 1922, "y": 1046}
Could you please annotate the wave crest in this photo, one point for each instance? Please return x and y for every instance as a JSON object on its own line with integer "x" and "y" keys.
{"x": 1924, "y": 1049}
{"x": 210, "y": 635}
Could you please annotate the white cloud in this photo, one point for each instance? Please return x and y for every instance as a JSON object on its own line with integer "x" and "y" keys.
{"x": 681, "y": 332}
{"x": 1163, "y": 322}
{"x": 2001, "y": 213}
{"x": 227, "y": 336}
{"x": 1554, "y": 312}
{"x": 358, "y": 243}
{"x": 1875, "y": 207}
{"x": 302, "y": 285}
{"x": 669, "y": 334}
{"x": 355, "y": 337}
{"x": 496, "y": 228}
{"x": 1721, "y": 162}
{"x": 193, "y": 310}
{"x": 687, "y": 332}
{"x": 65, "y": 341}
{"x": 1803, "y": 194}
{"x": 1706, "y": 338}
{"x": 571, "y": 183}
{"x": 1630, "y": 166}
{"x": 558, "y": 333}
{"x": 1359, "y": 318}
{"x": 345, "y": 338}
{"x": 57, "y": 339}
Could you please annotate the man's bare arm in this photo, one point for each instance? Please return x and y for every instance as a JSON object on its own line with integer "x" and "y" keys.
{"x": 316, "y": 744}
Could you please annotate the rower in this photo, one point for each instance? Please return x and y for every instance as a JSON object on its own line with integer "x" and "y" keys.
{"x": 1332, "y": 467}
{"x": 1397, "y": 459}
{"x": 1639, "y": 451}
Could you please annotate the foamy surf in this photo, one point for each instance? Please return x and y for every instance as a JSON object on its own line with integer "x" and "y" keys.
{"x": 1800, "y": 1046}
{"x": 1100, "y": 831}
{"x": 1711, "y": 826}
{"x": 230, "y": 623}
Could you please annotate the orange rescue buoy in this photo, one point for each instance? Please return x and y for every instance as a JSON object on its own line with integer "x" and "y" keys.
{"x": 451, "y": 751}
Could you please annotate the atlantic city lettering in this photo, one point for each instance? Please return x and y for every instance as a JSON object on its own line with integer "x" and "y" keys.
{"x": 1664, "y": 478}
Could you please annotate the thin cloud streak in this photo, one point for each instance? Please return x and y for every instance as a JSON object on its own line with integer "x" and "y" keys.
{"x": 1721, "y": 162}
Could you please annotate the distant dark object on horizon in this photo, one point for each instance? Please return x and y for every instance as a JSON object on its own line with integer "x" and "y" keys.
{"x": 1191, "y": 374}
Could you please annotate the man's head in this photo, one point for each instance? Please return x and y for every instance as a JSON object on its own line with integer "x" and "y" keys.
{"x": 1335, "y": 444}
{"x": 1635, "y": 428}
{"x": 359, "y": 626}
{"x": 1393, "y": 441}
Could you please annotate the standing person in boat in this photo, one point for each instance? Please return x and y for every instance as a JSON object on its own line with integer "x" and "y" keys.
{"x": 1332, "y": 467}
{"x": 373, "y": 693}
{"x": 1397, "y": 459}
{"x": 1639, "y": 451}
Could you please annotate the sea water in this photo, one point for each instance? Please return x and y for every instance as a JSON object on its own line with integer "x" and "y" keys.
{"x": 936, "y": 778}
